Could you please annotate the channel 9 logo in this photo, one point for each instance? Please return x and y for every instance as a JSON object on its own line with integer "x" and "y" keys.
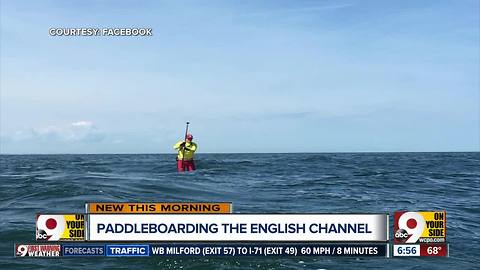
{"x": 60, "y": 227}
{"x": 21, "y": 250}
{"x": 420, "y": 227}
{"x": 37, "y": 250}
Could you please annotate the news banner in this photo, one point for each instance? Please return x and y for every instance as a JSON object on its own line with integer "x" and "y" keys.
{"x": 169, "y": 229}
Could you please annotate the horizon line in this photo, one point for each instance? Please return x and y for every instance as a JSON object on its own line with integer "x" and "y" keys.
{"x": 242, "y": 153}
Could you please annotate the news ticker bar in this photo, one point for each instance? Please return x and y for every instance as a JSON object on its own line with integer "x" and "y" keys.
{"x": 201, "y": 250}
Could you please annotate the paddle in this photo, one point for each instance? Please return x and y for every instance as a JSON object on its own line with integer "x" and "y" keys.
{"x": 183, "y": 149}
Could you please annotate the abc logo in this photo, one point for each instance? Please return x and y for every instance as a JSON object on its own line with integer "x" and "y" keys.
{"x": 50, "y": 227}
{"x": 401, "y": 235}
{"x": 42, "y": 235}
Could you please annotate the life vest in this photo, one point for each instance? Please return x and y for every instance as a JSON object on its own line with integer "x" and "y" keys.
{"x": 189, "y": 150}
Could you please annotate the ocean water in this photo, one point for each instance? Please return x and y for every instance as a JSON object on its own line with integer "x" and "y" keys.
{"x": 255, "y": 183}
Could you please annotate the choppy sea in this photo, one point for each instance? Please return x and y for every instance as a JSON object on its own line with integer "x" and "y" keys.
{"x": 255, "y": 183}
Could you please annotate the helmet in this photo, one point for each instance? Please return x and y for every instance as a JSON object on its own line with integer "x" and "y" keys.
{"x": 189, "y": 136}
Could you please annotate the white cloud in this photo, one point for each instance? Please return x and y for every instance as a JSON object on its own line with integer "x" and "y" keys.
{"x": 82, "y": 124}
{"x": 80, "y": 131}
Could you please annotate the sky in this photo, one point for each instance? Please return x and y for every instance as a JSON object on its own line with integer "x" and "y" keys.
{"x": 250, "y": 76}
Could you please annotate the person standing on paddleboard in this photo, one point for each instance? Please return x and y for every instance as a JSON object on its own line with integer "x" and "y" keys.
{"x": 186, "y": 150}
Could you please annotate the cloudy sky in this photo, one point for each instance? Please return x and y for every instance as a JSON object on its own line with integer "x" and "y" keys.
{"x": 250, "y": 76}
